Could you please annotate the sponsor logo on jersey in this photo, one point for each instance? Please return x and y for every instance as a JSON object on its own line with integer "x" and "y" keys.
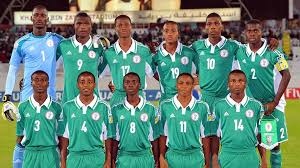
{"x": 144, "y": 117}
{"x": 69, "y": 53}
{"x": 49, "y": 115}
{"x": 268, "y": 127}
{"x": 115, "y": 61}
{"x": 249, "y": 113}
{"x": 50, "y": 43}
{"x": 224, "y": 53}
{"x": 264, "y": 63}
{"x": 202, "y": 53}
{"x": 122, "y": 117}
{"x": 195, "y": 116}
{"x": 163, "y": 64}
{"x": 244, "y": 61}
{"x": 27, "y": 115}
{"x": 136, "y": 59}
{"x": 92, "y": 54}
{"x": 61, "y": 117}
{"x": 172, "y": 115}
{"x": 73, "y": 115}
{"x": 95, "y": 116}
{"x": 226, "y": 114}
{"x": 184, "y": 60}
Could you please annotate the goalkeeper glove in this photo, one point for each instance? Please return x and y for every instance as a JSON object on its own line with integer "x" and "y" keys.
{"x": 9, "y": 110}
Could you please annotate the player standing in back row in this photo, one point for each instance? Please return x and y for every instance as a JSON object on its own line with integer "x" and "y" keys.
{"x": 268, "y": 75}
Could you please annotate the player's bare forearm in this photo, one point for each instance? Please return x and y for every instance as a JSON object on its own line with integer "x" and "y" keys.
{"x": 286, "y": 77}
{"x": 63, "y": 144}
{"x": 206, "y": 141}
{"x": 108, "y": 149}
{"x": 19, "y": 139}
{"x": 215, "y": 142}
{"x": 114, "y": 152}
{"x": 262, "y": 153}
{"x": 155, "y": 149}
{"x": 162, "y": 145}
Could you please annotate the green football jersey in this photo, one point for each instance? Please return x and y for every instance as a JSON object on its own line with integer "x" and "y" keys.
{"x": 86, "y": 127}
{"x": 215, "y": 63}
{"x": 183, "y": 126}
{"x": 262, "y": 70}
{"x": 78, "y": 58}
{"x": 38, "y": 123}
{"x": 135, "y": 127}
{"x": 170, "y": 66}
{"x": 238, "y": 122}
{"x": 137, "y": 59}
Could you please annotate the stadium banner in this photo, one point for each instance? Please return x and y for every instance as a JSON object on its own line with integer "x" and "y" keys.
{"x": 146, "y": 16}
{"x": 292, "y": 93}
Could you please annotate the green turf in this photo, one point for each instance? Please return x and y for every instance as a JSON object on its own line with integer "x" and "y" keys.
{"x": 290, "y": 149}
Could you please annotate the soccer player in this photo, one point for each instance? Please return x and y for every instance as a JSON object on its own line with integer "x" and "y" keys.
{"x": 137, "y": 127}
{"x": 36, "y": 125}
{"x": 181, "y": 122}
{"x": 216, "y": 55}
{"x": 37, "y": 51}
{"x": 80, "y": 53}
{"x": 268, "y": 75}
{"x": 238, "y": 117}
{"x": 85, "y": 128}
{"x": 124, "y": 56}
{"x": 172, "y": 59}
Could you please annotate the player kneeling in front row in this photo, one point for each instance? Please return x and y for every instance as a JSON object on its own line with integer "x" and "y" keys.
{"x": 36, "y": 125}
{"x": 137, "y": 128}
{"x": 84, "y": 128}
{"x": 182, "y": 126}
{"x": 238, "y": 117}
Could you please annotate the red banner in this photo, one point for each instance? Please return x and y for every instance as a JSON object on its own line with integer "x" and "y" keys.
{"x": 292, "y": 93}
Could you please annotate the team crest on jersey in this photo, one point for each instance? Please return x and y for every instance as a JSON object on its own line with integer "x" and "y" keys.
{"x": 50, "y": 43}
{"x": 95, "y": 116}
{"x": 136, "y": 59}
{"x": 211, "y": 117}
{"x": 224, "y": 53}
{"x": 184, "y": 60}
{"x": 264, "y": 63}
{"x": 92, "y": 54}
{"x": 268, "y": 127}
{"x": 144, "y": 117}
{"x": 49, "y": 115}
{"x": 195, "y": 116}
{"x": 249, "y": 113}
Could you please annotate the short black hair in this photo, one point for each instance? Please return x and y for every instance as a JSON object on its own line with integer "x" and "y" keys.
{"x": 86, "y": 73}
{"x": 172, "y": 22}
{"x": 213, "y": 14}
{"x": 122, "y": 17}
{"x": 185, "y": 74}
{"x": 39, "y": 72}
{"x": 134, "y": 74}
{"x": 39, "y": 7}
{"x": 82, "y": 14}
{"x": 237, "y": 71}
{"x": 254, "y": 21}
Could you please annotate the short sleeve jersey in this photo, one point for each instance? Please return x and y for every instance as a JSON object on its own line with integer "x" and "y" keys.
{"x": 183, "y": 126}
{"x": 38, "y": 124}
{"x": 238, "y": 123}
{"x": 215, "y": 63}
{"x": 135, "y": 127}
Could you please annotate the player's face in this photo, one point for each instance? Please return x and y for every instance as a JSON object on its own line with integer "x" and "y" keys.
{"x": 253, "y": 33}
{"x": 170, "y": 33}
{"x": 237, "y": 83}
{"x": 123, "y": 28}
{"x": 131, "y": 84}
{"x": 184, "y": 86}
{"x": 82, "y": 26}
{"x": 39, "y": 18}
{"x": 86, "y": 85}
{"x": 214, "y": 27}
{"x": 39, "y": 83}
